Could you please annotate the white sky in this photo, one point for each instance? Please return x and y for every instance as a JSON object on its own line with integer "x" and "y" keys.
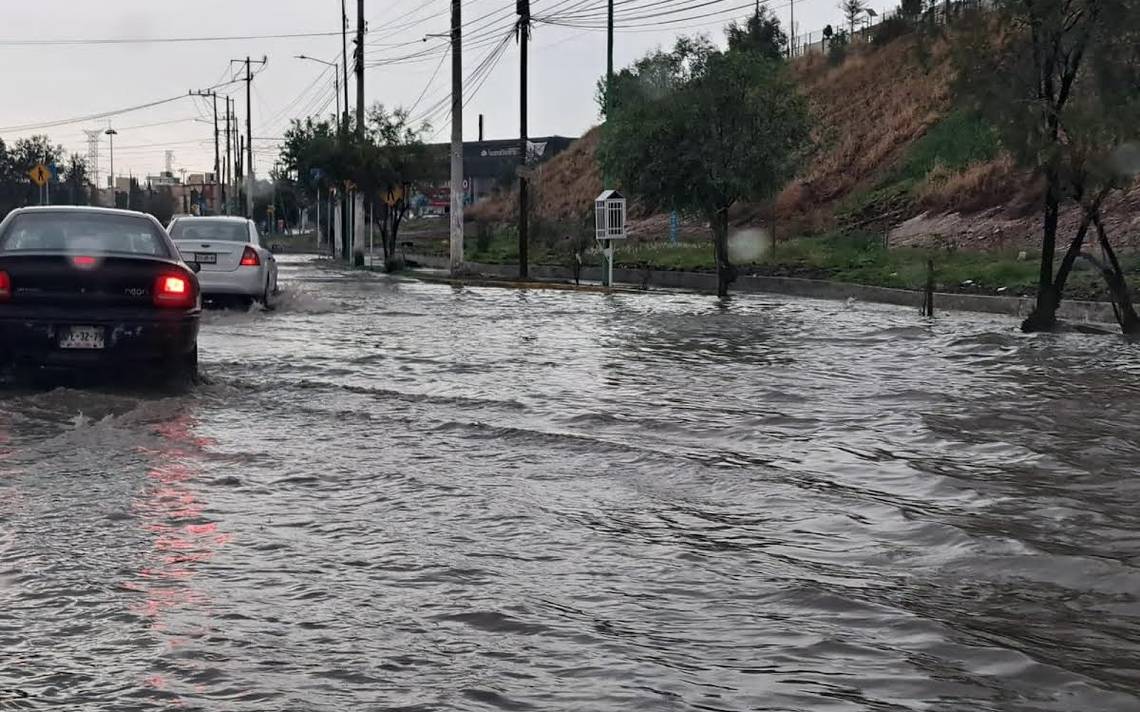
{"x": 41, "y": 84}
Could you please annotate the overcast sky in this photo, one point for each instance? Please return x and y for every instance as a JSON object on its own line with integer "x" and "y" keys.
{"x": 46, "y": 83}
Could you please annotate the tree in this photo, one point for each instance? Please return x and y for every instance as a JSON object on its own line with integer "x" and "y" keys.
{"x": 852, "y": 9}
{"x": 387, "y": 160}
{"x": 911, "y": 10}
{"x": 698, "y": 130}
{"x": 761, "y": 34}
{"x": 1061, "y": 82}
{"x": 76, "y": 180}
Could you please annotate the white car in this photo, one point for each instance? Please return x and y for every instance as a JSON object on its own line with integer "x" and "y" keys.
{"x": 234, "y": 263}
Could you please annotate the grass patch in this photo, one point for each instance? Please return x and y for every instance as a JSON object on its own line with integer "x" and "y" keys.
{"x": 960, "y": 140}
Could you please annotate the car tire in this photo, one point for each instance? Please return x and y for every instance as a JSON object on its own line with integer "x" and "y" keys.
{"x": 182, "y": 370}
{"x": 266, "y": 298}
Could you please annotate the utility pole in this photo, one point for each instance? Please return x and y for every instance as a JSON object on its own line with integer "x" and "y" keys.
{"x": 607, "y": 183}
{"x": 523, "y": 33}
{"x": 226, "y": 178}
{"x": 111, "y": 134}
{"x": 359, "y": 224}
{"x": 217, "y": 152}
{"x": 792, "y": 9}
{"x": 344, "y": 55}
{"x": 248, "y": 140}
{"x": 248, "y": 173}
{"x": 456, "y": 137}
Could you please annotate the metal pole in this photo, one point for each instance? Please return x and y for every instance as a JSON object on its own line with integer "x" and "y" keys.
{"x": 317, "y": 224}
{"x": 524, "y": 208}
{"x": 336, "y": 90}
{"x": 111, "y": 133}
{"x": 456, "y": 137}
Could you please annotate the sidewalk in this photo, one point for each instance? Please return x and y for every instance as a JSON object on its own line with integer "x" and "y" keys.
{"x": 543, "y": 276}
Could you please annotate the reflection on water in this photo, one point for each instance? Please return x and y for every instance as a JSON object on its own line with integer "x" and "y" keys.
{"x": 394, "y": 495}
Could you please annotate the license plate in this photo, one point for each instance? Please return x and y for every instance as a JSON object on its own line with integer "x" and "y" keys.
{"x": 81, "y": 337}
{"x": 205, "y": 258}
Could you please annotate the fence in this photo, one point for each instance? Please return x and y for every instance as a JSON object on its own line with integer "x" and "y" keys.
{"x": 941, "y": 12}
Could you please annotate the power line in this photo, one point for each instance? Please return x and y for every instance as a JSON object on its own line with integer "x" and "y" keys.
{"x": 158, "y": 40}
{"x": 91, "y": 117}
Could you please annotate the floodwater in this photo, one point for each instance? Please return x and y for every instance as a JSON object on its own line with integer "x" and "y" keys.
{"x": 397, "y": 495}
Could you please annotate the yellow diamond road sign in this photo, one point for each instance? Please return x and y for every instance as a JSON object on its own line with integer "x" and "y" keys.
{"x": 40, "y": 175}
{"x": 393, "y": 195}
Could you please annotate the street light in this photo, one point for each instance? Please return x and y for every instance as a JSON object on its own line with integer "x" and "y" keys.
{"x": 112, "y": 133}
{"x": 336, "y": 81}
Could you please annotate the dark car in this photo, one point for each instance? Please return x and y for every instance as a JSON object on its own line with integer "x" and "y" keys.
{"x": 91, "y": 288}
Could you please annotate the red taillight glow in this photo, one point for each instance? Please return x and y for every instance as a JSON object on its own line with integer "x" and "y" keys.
{"x": 83, "y": 261}
{"x": 249, "y": 258}
{"x": 5, "y": 286}
{"x": 173, "y": 291}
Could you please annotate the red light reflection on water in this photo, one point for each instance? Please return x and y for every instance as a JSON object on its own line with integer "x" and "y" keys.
{"x": 170, "y": 510}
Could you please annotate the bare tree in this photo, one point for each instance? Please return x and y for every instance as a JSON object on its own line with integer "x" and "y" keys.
{"x": 852, "y": 9}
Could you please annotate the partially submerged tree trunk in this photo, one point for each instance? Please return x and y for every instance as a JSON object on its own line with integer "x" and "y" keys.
{"x": 1044, "y": 315}
{"x": 1117, "y": 284}
{"x": 725, "y": 272}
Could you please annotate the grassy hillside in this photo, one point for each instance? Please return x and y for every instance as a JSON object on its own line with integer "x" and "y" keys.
{"x": 894, "y": 158}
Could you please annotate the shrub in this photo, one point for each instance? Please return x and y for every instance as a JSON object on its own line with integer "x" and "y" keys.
{"x": 890, "y": 30}
{"x": 483, "y": 237}
{"x": 837, "y": 48}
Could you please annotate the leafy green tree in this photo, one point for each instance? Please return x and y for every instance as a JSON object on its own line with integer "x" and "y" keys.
{"x": 1061, "y": 82}
{"x": 760, "y": 33}
{"x": 401, "y": 160}
{"x": 389, "y": 158}
{"x": 698, "y": 130}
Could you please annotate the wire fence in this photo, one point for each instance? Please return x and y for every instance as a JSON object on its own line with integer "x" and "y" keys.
{"x": 940, "y": 13}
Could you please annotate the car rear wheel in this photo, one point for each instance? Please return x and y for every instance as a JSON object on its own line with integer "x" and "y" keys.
{"x": 267, "y": 296}
{"x": 182, "y": 370}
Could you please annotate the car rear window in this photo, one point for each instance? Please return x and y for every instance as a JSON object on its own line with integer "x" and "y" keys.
{"x": 84, "y": 233}
{"x": 206, "y": 229}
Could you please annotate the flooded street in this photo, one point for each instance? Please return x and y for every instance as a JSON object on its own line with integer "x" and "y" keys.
{"x": 393, "y": 495}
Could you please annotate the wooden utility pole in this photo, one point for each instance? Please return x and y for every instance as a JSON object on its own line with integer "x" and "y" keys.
{"x": 523, "y": 32}
{"x": 456, "y": 261}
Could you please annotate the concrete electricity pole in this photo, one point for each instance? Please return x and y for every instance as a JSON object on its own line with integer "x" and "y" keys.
{"x": 248, "y": 172}
{"x": 358, "y": 202}
{"x": 456, "y": 137}
{"x": 217, "y": 149}
{"x": 226, "y": 178}
{"x": 523, "y": 31}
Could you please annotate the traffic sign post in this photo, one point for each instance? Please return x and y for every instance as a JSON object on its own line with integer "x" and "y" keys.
{"x": 41, "y": 176}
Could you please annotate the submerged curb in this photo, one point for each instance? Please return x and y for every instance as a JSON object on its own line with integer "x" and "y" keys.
{"x": 498, "y": 275}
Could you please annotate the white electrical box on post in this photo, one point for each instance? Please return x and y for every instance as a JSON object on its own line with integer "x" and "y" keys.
{"x": 609, "y": 225}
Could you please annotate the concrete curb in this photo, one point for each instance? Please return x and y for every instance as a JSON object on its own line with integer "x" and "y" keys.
{"x": 1079, "y": 311}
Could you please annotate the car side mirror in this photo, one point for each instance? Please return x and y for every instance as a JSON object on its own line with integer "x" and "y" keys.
{"x": 195, "y": 267}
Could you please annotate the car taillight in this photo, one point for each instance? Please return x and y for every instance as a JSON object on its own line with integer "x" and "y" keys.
{"x": 5, "y": 286}
{"x": 249, "y": 258}
{"x": 173, "y": 290}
